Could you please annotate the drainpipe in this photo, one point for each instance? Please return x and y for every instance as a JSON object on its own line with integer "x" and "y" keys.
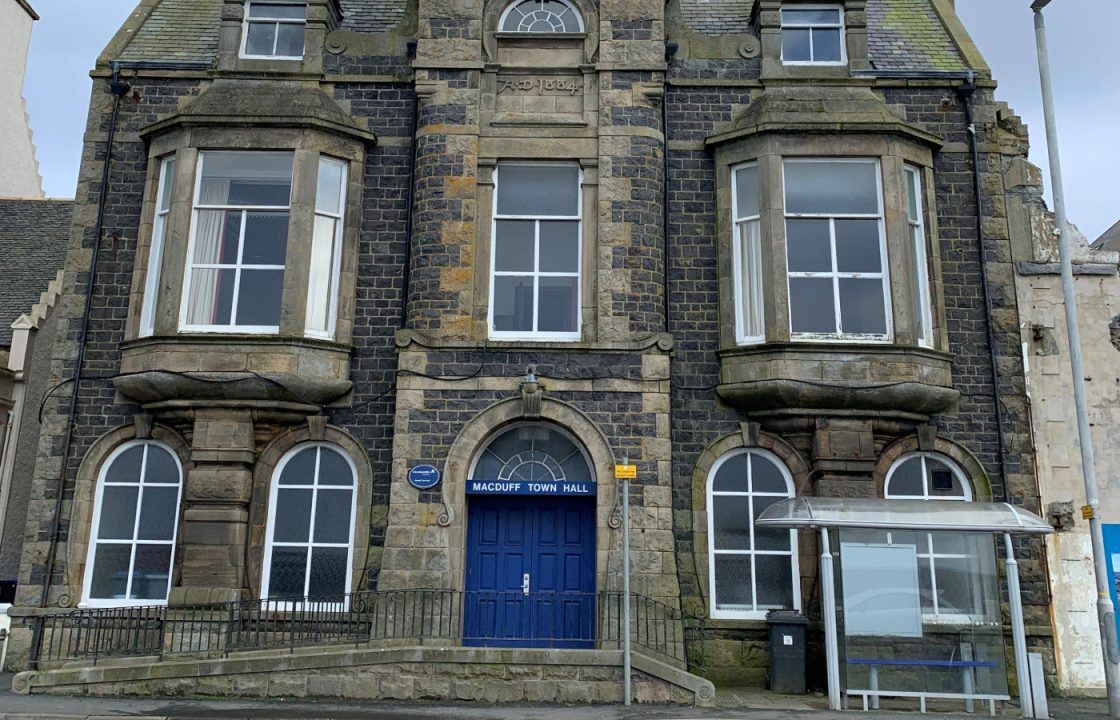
{"x": 670, "y": 53}
{"x": 119, "y": 88}
{"x": 967, "y": 91}
{"x": 406, "y": 274}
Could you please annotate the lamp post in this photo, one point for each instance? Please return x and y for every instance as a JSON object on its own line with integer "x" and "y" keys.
{"x": 1105, "y": 615}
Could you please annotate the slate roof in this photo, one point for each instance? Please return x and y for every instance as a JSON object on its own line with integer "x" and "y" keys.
{"x": 1110, "y": 240}
{"x": 34, "y": 235}
{"x": 908, "y": 35}
{"x": 717, "y": 17}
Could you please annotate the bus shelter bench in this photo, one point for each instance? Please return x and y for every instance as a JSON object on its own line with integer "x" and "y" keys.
{"x": 967, "y": 667}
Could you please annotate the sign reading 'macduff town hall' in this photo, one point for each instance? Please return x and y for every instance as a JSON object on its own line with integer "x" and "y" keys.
{"x": 342, "y": 239}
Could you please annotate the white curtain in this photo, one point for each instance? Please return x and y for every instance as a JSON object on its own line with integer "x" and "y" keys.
{"x": 319, "y": 286}
{"x": 203, "y": 300}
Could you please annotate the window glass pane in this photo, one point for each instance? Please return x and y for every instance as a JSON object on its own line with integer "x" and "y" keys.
{"x": 751, "y": 277}
{"x": 514, "y": 245}
{"x": 328, "y": 572}
{"x": 732, "y": 475}
{"x": 538, "y": 190}
{"x": 289, "y": 40}
{"x": 542, "y": 16}
{"x": 861, "y": 306}
{"x": 513, "y": 304}
{"x": 795, "y": 45}
{"x": 332, "y": 516}
{"x": 216, "y": 237}
{"x": 925, "y": 585}
{"x": 811, "y": 305}
{"x": 955, "y": 586}
{"x": 746, "y": 191}
{"x": 266, "y": 238}
{"x": 906, "y": 481}
{"x": 943, "y": 482}
{"x": 808, "y": 245}
{"x": 249, "y": 178}
{"x": 733, "y": 582}
{"x": 766, "y": 477}
{"x": 110, "y": 572}
{"x": 949, "y": 543}
{"x": 830, "y": 187}
{"x": 769, "y": 539}
{"x": 826, "y": 45}
{"x": 774, "y": 580}
{"x": 167, "y": 179}
{"x": 328, "y": 195}
{"x": 290, "y": 11}
{"x": 334, "y": 470}
{"x": 158, "y": 513}
{"x": 287, "y": 573}
{"x": 559, "y": 311}
{"x": 293, "y": 515}
{"x": 118, "y": 512}
{"x": 260, "y": 296}
{"x": 320, "y": 285}
{"x": 300, "y": 468}
{"x": 126, "y": 466}
{"x": 857, "y": 246}
{"x": 161, "y": 467}
{"x": 731, "y": 522}
{"x": 261, "y": 39}
{"x": 811, "y": 17}
{"x": 151, "y": 573}
{"x": 912, "y": 194}
{"x": 559, "y": 247}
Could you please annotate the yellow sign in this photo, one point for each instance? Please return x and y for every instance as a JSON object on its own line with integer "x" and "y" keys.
{"x": 1087, "y": 512}
{"x": 625, "y": 472}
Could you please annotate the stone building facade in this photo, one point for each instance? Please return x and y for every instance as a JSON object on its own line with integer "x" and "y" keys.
{"x": 523, "y": 243}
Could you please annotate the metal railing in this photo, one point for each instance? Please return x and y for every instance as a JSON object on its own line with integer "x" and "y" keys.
{"x": 480, "y": 619}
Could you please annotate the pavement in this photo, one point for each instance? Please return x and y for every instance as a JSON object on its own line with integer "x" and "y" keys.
{"x": 765, "y": 707}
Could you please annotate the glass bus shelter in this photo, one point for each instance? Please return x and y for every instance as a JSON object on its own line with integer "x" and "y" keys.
{"x": 911, "y": 597}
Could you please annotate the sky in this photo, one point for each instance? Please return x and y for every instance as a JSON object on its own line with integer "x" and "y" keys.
{"x": 1084, "y": 54}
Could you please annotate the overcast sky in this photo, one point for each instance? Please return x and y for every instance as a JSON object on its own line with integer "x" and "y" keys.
{"x": 1084, "y": 53}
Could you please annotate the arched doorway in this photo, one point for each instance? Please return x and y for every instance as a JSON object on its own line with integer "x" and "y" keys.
{"x": 530, "y": 561}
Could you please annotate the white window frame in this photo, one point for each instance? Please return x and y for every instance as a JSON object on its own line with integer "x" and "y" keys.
{"x": 926, "y": 551}
{"x": 167, "y": 167}
{"x": 513, "y": 6}
{"x": 238, "y": 267}
{"x": 741, "y": 226}
{"x": 536, "y": 335}
{"x": 883, "y": 276}
{"x": 91, "y": 552}
{"x": 246, "y": 21}
{"x": 917, "y": 239}
{"x": 336, "y": 261}
{"x": 841, "y": 26}
{"x": 310, "y": 545}
{"x": 759, "y": 612}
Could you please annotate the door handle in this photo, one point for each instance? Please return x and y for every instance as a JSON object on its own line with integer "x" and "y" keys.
{"x": 525, "y": 584}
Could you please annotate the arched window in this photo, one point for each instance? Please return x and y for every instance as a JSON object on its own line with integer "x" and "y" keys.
{"x": 950, "y": 589}
{"x": 135, "y": 522}
{"x": 751, "y": 570}
{"x": 541, "y": 16}
{"x": 309, "y": 549}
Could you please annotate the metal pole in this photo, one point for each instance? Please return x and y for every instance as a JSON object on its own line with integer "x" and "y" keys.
{"x": 1018, "y": 630}
{"x": 626, "y": 692}
{"x": 1105, "y": 614}
{"x": 831, "y": 639}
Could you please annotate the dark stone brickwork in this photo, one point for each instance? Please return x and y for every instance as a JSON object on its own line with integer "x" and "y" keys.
{"x": 632, "y": 30}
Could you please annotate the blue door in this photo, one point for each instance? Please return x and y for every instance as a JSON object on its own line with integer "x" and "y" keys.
{"x": 530, "y": 572}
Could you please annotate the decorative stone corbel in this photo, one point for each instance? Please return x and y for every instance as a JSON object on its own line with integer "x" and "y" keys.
{"x": 927, "y": 436}
{"x": 531, "y": 396}
{"x": 143, "y": 424}
{"x": 751, "y": 431}
{"x": 317, "y": 427}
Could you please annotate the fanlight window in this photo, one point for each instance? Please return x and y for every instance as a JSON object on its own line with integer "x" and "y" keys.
{"x": 532, "y": 453}
{"x": 541, "y": 16}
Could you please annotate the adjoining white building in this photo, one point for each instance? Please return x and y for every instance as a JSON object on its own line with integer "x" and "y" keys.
{"x": 20, "y": 170}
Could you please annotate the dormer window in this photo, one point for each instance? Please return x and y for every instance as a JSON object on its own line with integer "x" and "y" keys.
{"x": 813, "y": 35}
{"x": 274, "y": 30}
{"x": 541, "y": 16}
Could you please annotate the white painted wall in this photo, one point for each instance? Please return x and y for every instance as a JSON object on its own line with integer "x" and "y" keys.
{"x": 19, "y": 170}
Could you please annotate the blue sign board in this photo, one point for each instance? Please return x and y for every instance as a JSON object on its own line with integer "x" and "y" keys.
{"x": 1111, "y": 534}
{"x": 577, "y": 488}
{"x": 423, "y": 477}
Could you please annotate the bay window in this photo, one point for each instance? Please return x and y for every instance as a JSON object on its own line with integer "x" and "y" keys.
{"x": 536, "y": 254}
{"x": 914, "y": 214}
{"x": 836, "y": 250}
{"x": 326, "y": 248}
{"x": 747, "y": 252}
{"x": 156, "y": 249}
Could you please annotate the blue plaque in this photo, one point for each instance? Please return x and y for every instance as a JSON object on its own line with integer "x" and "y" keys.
{"x": 423, "y": 477}
{"x": 569, "y": 488}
